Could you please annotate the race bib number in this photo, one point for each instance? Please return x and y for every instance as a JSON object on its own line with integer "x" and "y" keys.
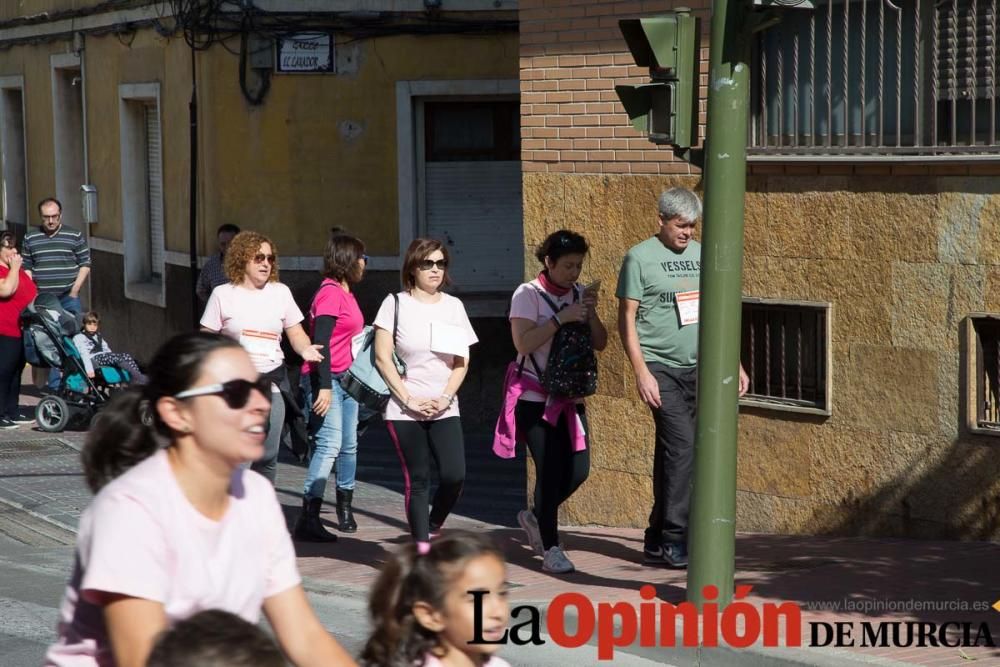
{"x": 687, "y": 307}
{"x": 262, "y": 346}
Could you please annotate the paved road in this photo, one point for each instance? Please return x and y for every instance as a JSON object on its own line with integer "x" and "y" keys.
{"x": 41, "y": 496}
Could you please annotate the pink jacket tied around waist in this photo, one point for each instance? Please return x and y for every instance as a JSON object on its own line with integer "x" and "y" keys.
{"x": 506, "y": 437}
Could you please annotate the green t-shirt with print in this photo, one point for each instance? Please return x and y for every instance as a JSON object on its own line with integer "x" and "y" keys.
{"x": 653, "y": 274}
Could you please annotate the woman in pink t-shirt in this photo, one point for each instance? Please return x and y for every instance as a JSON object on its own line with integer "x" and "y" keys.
{"x": 256, "y": 310}
{"x": 538, "y": 310}
{"x": 333, "y": 424}
{"x": 432, "y": 337}
{"x": 178, "y": 525}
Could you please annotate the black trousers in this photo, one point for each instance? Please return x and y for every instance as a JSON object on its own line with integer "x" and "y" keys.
{"x": 11, "y": 365}
{"x": 559, "y": 471}
{"x": 417, "y": 443}
{"x": 673, "y": 458}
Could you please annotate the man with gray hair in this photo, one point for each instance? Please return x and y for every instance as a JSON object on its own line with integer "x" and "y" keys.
{"x": 658, "y": 291}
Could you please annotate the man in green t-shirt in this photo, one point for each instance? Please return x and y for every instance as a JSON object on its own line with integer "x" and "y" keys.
{"x": 658, "y": 290}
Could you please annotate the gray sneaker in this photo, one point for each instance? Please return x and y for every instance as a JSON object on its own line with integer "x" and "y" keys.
{"x": 556, "y": 562}
{"x": 526, "y": 519}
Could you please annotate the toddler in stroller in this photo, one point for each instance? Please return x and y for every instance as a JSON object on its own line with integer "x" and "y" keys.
{"x": 95, "y": 351}
{"x": 49, "y": 330}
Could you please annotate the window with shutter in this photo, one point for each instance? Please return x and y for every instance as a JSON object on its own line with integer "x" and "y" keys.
{"x": 154, "y": 191}
{"x": 141, "y": 142}
{"x": 877, "y": 78}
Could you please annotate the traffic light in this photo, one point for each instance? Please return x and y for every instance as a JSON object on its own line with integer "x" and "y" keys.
{"x": 666, "y": 108}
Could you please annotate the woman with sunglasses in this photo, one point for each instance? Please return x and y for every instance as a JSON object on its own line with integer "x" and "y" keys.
{"x": 177, "y": 524}
{"x": 432, "y": 338}
{"x": 255, "y": 309}
{"x": 333, "y": 424}
{"x": 557, "y": 442}
{"x": 17, "y": 290}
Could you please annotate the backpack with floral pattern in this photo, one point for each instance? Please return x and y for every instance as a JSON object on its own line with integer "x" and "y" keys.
{"x": 571, "y": 369}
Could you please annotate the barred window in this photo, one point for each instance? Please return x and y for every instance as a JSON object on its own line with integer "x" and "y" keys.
{"x": 872, "y": 78}
{"x": 985, "y": 371}
{"x": 785, "y": 351}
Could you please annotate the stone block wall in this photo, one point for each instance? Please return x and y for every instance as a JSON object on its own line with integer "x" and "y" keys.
{"x": 903, "y": 252}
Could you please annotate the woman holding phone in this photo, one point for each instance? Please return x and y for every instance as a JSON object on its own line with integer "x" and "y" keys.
{"x": 557, "y": 442}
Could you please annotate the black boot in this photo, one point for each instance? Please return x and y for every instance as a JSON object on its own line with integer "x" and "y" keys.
{"x": 344, "y": 514}
{"x": 309, "y": 527}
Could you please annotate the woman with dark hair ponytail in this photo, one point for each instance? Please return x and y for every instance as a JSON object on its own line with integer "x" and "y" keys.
{"x": 178, "y": 523}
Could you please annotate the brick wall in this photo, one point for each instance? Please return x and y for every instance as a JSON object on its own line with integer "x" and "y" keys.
{"x": 572, "y": 55}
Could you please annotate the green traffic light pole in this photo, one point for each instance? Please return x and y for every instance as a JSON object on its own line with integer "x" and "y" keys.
{"x": 712, "y": 539}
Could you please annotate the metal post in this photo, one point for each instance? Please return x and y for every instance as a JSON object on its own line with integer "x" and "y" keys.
{"x": 713, "y": 505}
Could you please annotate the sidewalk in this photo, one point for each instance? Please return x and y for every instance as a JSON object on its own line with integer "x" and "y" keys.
{"x": 42, "y": 476}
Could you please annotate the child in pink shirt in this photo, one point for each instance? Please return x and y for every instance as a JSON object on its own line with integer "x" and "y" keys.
{"x": 178, "y": 525}
{"x": 421, "y": 612}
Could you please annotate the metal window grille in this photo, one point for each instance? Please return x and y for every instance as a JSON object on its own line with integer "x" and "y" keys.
{"x": 987, "y": 372}
{"x": 784, "y": 351}
{"x": 878, "y": 78}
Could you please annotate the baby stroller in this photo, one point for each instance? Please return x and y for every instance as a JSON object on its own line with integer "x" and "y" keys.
{"x": 48, "y": 338}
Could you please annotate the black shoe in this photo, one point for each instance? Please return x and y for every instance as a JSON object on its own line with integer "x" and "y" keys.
{"x": 309, "y": 527}
{"x": 7, "y": 424}
{"x": 345, "y": 516}
{"x": 23, "y": 419}
{"x": 669, "y": 554}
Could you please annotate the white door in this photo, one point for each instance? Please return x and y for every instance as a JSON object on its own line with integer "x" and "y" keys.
{"x": 472, "y": 190}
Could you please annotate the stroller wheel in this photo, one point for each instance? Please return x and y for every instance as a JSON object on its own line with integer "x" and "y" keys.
{"x": 52, "y": 414}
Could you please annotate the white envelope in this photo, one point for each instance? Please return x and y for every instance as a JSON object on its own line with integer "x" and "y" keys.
{"x": 449, "y": 339}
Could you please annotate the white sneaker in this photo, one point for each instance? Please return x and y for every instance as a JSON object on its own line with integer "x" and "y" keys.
{"x": 526, "y": 519}
{"x": 555, "y": 561}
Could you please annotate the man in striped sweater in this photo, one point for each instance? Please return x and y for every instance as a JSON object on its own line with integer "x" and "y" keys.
{"x": 58, "y": 260}
{"x": 57, "y": 257}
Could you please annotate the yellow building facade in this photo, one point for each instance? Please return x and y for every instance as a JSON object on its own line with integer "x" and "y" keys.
{"x": 103, "y": 98}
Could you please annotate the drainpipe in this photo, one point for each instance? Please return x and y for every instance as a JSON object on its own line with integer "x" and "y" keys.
{"x": 193, "y": 193}
{"x": 78, "y": 46}
{"x": 712, "y": 537}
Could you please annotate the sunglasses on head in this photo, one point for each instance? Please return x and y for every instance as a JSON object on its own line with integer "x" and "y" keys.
{"x": 260, "y": 257}
{"x": 235, "y": 393}
{"x": 428, "y": 264}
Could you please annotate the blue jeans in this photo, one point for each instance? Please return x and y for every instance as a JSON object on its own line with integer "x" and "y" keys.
{"x": 335, "y": 439}
{"x": 73, "y": 305}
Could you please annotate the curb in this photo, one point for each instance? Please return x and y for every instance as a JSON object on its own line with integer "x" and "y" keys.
{"x": 34, "y": 513}
{"x": 37, "y": 515}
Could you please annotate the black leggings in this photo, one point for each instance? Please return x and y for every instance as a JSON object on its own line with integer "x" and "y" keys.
{"x": 11, "y": 365}
{"x": 559, "y": 471}
{"x": 416, "y": 442}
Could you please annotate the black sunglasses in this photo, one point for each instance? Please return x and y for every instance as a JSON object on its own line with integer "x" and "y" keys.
{"x": 428, "y": 264}
{"x": 260, "y": 257}
{"x": 235, "y": 393}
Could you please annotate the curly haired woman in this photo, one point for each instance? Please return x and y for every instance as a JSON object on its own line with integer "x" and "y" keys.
{"x": 255, "y": 309}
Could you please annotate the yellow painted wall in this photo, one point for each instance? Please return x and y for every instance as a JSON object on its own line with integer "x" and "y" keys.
{"x": 292, "y": 165}
{"x": 903, "y": 261}
{"x": 285, "y": 167}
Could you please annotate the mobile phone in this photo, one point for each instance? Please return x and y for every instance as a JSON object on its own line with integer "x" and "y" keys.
{"x": 593, "y": 287}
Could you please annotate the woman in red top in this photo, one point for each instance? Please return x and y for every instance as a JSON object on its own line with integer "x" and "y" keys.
{"x": 17, "y": 290}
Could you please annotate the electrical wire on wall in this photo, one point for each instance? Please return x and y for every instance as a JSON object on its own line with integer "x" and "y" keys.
{"x": 236, "y": 25}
